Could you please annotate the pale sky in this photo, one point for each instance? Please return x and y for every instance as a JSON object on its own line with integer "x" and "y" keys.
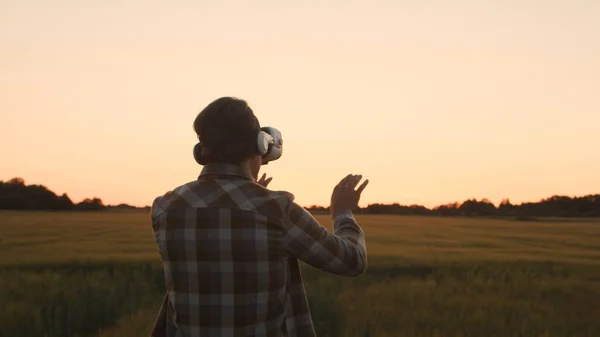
{"x": 433, "y": 101}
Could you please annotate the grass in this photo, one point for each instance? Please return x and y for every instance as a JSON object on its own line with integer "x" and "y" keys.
{"x": 73, "y": 299}
{"x": 39, "y": 237}
{"x": 96, "y": 274}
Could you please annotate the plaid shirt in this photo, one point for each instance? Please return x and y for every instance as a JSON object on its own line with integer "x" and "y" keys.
{"x": 230, "y": 251}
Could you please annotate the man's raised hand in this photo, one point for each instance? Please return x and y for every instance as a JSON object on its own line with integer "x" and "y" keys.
{"x": 264, "y": 181}
{"x": 345, "y": 197}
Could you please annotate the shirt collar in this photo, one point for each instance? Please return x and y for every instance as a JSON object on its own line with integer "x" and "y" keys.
{"x": 227, "y": 170}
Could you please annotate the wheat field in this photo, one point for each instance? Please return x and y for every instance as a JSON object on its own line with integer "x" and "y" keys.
{"x": 98, "y": 274}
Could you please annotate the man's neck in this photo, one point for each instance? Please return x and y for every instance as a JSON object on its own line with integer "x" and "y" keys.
{"x": 242, "y": 171}
{"x": 245, "y": 166}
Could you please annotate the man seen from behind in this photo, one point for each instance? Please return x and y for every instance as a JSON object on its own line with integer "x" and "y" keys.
{"x": 231, "y": 247}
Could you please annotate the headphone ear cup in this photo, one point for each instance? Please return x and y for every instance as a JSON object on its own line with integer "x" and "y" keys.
{"x": 263, "y": 142}
{"x": 198, "y": 154}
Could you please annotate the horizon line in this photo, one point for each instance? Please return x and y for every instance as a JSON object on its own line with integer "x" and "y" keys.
{"x": 319, "y": 206}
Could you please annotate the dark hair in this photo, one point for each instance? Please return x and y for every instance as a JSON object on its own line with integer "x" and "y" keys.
{"x": 227, "y": 130}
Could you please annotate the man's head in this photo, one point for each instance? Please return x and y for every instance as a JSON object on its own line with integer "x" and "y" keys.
{"x": 227, "y": 130}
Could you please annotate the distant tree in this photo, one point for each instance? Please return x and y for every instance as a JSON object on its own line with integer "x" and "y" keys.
{"x": 448, "y": 209}
{"x": 473, "y": 207}
{"x": 65, "y": 202}
{"x": 16, "y": 182}
{"x": 87, "y": 204}
{"x": 315, "y": 209}
{"x": 419, "y": 210}
{"x": 506, "y": 208}
{"x": 15, "y": 194}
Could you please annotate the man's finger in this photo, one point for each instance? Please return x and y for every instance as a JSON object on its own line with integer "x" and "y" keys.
{"x": 268, "y": 181}
{"x": 362, "y": 186}
{"x": 354, "y": 181}
{"x": 343, "y": 181}
{"x": 263, "y": 177}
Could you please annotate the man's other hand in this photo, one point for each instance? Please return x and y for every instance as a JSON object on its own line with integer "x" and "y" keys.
{"x": 345, "y": 197}
{"x": 264, "y": 181}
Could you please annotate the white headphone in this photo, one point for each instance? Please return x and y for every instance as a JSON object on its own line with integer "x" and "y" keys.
{"x": 269, "y": 144}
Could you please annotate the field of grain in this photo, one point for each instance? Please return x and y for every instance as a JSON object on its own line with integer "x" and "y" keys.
{"x": 97, "y": 274}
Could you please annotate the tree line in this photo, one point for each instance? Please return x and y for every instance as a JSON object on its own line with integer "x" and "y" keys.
{"x": 555, "y": 206}
{"x": 15, "y": 194}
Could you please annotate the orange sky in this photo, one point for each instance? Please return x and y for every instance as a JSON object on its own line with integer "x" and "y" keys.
{"x": 433, "y": 101}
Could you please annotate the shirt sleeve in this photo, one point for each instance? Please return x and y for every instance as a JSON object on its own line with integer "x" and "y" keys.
{"x": 342, "y": 252}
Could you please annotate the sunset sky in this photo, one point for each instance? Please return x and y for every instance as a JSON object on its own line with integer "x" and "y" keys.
{"x": 433, "y": 101}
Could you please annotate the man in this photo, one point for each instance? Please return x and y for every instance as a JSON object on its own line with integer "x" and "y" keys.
{"x": 230, "y": 246}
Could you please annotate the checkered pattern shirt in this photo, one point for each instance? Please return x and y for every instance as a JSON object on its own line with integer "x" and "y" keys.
{"x": 230, "y": 251}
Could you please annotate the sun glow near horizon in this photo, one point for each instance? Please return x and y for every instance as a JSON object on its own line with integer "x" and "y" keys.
{"x": 432, "y": 102}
